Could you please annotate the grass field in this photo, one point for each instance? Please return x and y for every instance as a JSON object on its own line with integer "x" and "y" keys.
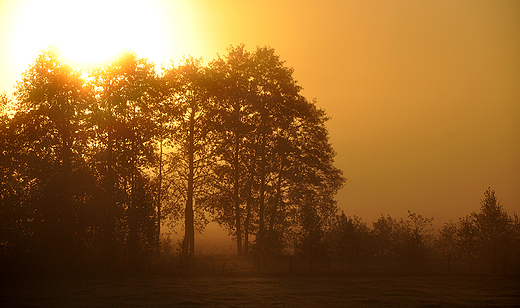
{"x": 293, "y": 291}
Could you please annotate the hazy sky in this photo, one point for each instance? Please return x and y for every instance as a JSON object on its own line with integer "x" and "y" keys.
{"x": 424, "y": 95}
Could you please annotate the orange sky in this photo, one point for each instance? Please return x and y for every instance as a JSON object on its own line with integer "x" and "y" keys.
{"x": 424, "y": 95}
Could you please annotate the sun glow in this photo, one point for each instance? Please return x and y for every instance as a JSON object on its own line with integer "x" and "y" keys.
{"x": 92, "y": 31}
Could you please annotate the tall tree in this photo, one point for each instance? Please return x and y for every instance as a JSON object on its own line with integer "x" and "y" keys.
{"x": 49, "y": 124}
{"x": 193, "y": 140}
{"x": 232, "y": 87}
{"x": 126, "y": 129}
{"x": 495, "y": 231}
{"x": 265, "y": 126}
{"x": 275, "y": 98}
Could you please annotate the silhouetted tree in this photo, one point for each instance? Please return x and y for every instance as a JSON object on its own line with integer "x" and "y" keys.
{"x": 232, "y": 90}
{"x": 275, "y": 102}
{"x": 447, "y": 242}
{"x": 468, "y": 247}
{"x": 125, "y": 135}
{"x": 311, "y": 242}
{"x": 495, "y": 231}
{"x": 417, "y": 238}
{"x": 268, "y": 133}
{"x": 47, "y": 134}
{"x": 351, "y": 240}
{"x": 385, "y": 232}
{"x": 193, "y": 141}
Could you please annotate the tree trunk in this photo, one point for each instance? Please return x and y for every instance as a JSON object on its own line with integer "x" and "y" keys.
{"x": 236, "y": 166}
{"x": 248, "y": 209}
{"x": 278, "y": 201}
{"x": 261, "y": 223}
{"x": 132, "y": 219}
{"x": 66, "y": 205}
{"x": 159, "y": 197}
{"x": 189, "y": 236}
{"x": 449, "y": 263}
{"x": 110, "y": 218}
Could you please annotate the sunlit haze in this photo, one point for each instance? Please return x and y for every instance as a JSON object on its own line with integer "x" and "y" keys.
{"x": 90, "y": 32}
{"x": 424, "y": 95}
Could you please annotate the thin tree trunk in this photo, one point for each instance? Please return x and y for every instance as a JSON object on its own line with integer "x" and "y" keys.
{"x": 261, "y": 222}
{"x": 132, "y": 219}
{"x": 248, "y": 210}
{"x": 236, "y": 163}
{"x": 159, "y": 197}
{"x": 66, "y": 194}
{"x": 189, "y": 236}
{"x": 449, "y": 263}
{"x": 110, "y": 241}
{"x": 261, "y": 201}
{"x": 278, "y": 201}
{"x": 246, "y": 225}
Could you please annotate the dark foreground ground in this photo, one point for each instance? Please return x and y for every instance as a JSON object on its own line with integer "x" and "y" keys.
{"x": 265, "y": 292}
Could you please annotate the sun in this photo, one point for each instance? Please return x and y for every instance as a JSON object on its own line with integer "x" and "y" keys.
{"x": 92, "y": 31}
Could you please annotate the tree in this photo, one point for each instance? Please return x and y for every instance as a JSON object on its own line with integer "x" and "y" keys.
{"x": 47, "y": 131}
{"x": 468, "y": 246}
{"x": 125, "y": 129}
{"x": 83, "y": 172}
{"x": 311, "y": 243}
{"x": 193, "y": 140}
{"x": 351, "y": 240}
{"x": 267, "y": 132}
{"x": 275, "y": 98}
{"x": 386, "y": 237}
{"x": 232, "y": 91}
{"x": 447, "y": 242}
{"x": 417, "y": 237}
{"x": 495, "y": 231}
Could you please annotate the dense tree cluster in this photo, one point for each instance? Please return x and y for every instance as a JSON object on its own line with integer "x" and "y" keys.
{"x": 94, "y": 161}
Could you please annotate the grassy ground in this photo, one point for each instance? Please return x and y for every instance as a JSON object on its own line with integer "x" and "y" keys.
{"x": 227, "y": 291}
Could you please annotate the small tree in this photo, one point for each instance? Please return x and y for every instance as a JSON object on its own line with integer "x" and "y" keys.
{"x": 495, "y": 231}
{"x": 384, "y": 232}
{"x": 47, "y": 131}
{"x": 447, "y": 242}
{"x": 311, "y": 243}
{"x": 417, "y": 237}
{"x": 467, "y": 239}
{"x": 350, "y": 240}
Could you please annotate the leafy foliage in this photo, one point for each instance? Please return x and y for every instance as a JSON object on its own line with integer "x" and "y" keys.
{"x": 84, "y": 173}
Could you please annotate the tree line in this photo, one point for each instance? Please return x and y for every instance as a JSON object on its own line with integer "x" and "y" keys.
{"x": 95, "y": 161}
{"x": 483, "y": 242}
